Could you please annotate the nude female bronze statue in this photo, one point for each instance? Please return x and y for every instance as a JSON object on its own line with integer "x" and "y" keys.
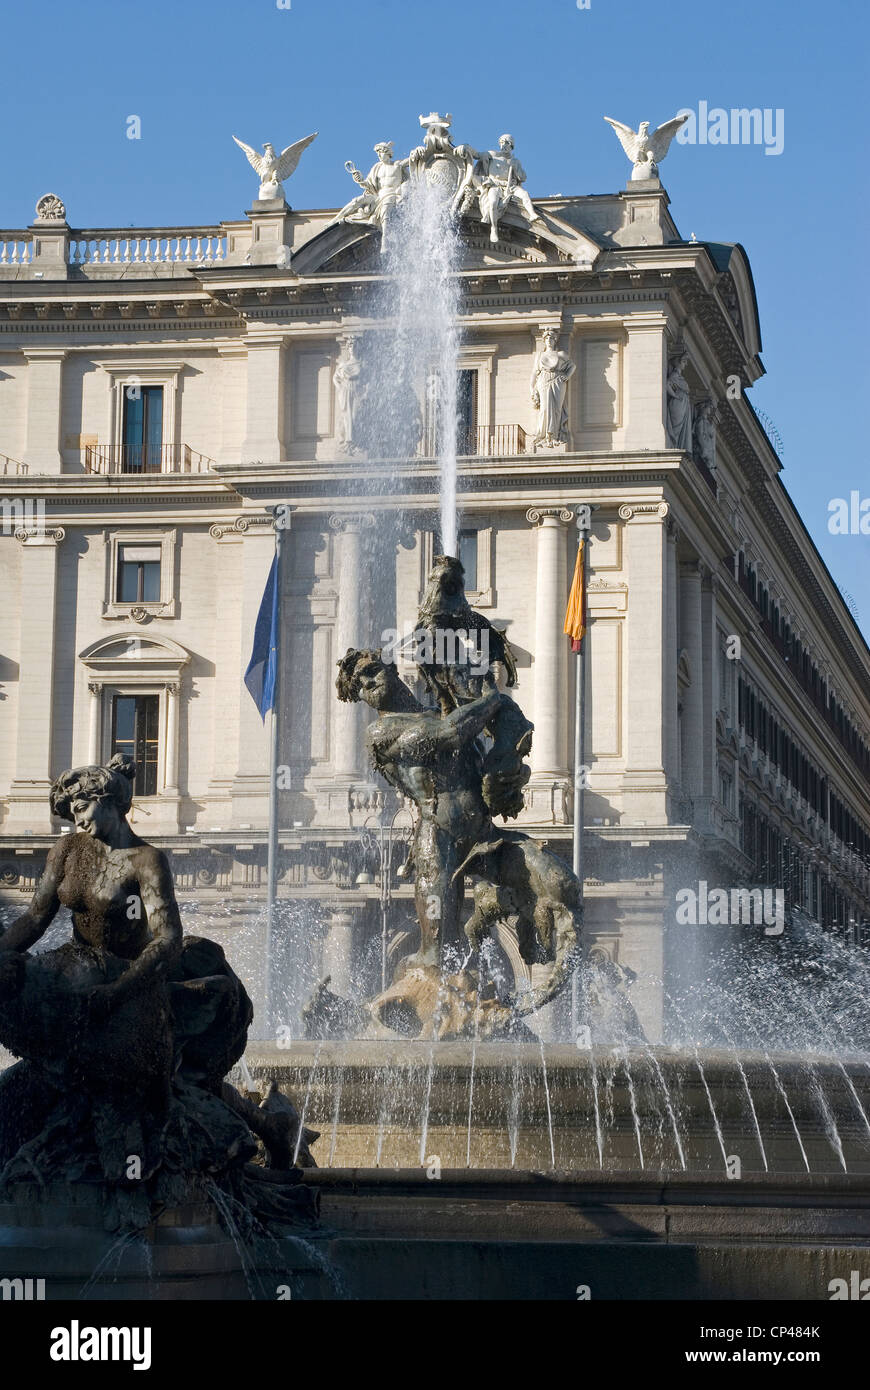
{"x": 127, "y": 1031}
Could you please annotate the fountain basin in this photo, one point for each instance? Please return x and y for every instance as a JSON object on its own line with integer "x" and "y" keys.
{"x": 540, "y": 1236}
{"x": 56, "y": 1233}
{"x": 380, "y": 1104}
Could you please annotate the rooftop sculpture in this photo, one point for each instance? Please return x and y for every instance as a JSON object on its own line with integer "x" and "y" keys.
{"x": 272, "y": 168}
{"x": 646, "y": 151}
{"x": 485, "y": 183}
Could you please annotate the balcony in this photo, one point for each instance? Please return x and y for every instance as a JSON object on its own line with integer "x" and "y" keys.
{"x": 12, "y": 468}
{"x": 144, "y": 458}
{"x": 482, "y": 441}
{"x": 494, "y": 441}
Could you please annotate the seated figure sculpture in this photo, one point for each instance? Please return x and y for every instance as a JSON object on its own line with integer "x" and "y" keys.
{"x": 127, "y": 1031}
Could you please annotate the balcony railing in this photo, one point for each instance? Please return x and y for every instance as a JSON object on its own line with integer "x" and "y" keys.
{"x": 12, "y": 466}
{"x": 483, "y": 441}
{"x": 493, "y": 440}
{"x": 144, "y": 458}
{"x": 148, "y": 246}
{"x": 16, "y": 248}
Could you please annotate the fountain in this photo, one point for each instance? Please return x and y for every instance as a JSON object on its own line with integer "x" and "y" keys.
{"x": 494, "y": 1095}
{"x": 459, "y": 1095}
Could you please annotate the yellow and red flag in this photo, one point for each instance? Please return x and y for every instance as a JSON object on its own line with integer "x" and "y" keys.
{"x": 575, "y": 614}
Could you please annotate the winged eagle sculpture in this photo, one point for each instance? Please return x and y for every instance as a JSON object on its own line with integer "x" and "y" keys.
{"x": 270, "y": 167}
{"x": 645, "y": 150}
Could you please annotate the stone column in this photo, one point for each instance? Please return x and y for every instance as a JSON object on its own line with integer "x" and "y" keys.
{"x": 646, "y": 359}
{"x": 34, "y": 770}
{"x": 337, "y": 960}
{"x": 709, "y": 657}
{"x": 172, "y": 702}
{"x": 669, "y": 665}
{"x": 693, "y": 698}
{"x": 95, "y": 710}
{"x": 644, "y": 782}
{"x": 549, "y": 746}
{"x": 44, "y": 403}
{"x": 350, "y": 631}
{"x": 264, "y": 430}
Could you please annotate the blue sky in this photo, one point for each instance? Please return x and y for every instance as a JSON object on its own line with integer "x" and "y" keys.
{"x": 362, "y": 70}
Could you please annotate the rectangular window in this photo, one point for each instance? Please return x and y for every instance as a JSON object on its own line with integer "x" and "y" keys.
{"x": 138, "y": 574}
{"x": 135, "y": 721}
{"x": 468, "y": 559}
{"x": 143, "y": 430}
{"x": 466, "y": 412}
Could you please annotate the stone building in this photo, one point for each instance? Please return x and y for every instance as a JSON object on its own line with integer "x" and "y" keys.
{"x": 162, "y": 388}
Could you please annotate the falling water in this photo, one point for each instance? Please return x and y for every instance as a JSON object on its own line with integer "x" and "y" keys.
{"x": 626, "y": 1067}
{"x": 336, "y": 1110}
{"x": 827, "y": 1115}
{"x": 417, "y": 352}
{"x": 660, "y": 1076}
{"x": 599, "y": 1141}
{"x": 311, "y": 1076}
{"x": 513, "y": 1117}
{"x": 549, "y": 1109}
{"x": 474, "y": 1058}
{"x": 718, "y": 1127}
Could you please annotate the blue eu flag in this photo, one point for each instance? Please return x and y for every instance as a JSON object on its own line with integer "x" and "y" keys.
{"x": 263, "y": 665}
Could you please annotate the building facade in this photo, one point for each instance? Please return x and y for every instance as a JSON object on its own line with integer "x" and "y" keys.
{"x": 162, "y": 389}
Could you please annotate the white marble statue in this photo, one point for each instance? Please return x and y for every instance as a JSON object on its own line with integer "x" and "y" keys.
{"x": 383, "y": 187}
{"x": 704, "y": 434}
{"x": 550, "y": 375}
{"x": 271, "y": 168}
{"x": 646, "y": 151}
{"x": 437, "y": 138}
{"x": 498, "y": 181}
{"x": 679, "y": 428}
{"x": 346, "y": 379}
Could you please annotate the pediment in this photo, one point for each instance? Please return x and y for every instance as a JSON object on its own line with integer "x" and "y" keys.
{"x": 351, "y": 248}
{"x": 124, "y": 653}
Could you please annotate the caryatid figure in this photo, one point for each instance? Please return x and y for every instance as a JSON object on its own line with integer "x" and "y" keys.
{"x": 382, "y": 189}
{"x": 499, "y": 177}
{"x": 347, "y": 388}
{"x": 679, "y": 404}
{"x": 551, "y": 372}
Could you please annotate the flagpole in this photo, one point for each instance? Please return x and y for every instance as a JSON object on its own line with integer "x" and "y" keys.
{"x": 274, "y": 739}
{"x": 584, "y": 533}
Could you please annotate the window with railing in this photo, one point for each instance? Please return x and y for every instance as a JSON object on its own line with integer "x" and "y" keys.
{"x": 797, "y": 658}
{"x": 142, "y": 441}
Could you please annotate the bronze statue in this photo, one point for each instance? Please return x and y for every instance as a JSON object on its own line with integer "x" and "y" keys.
{"x": 436, "y": 759}
{"x": 127, "y": 1031}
